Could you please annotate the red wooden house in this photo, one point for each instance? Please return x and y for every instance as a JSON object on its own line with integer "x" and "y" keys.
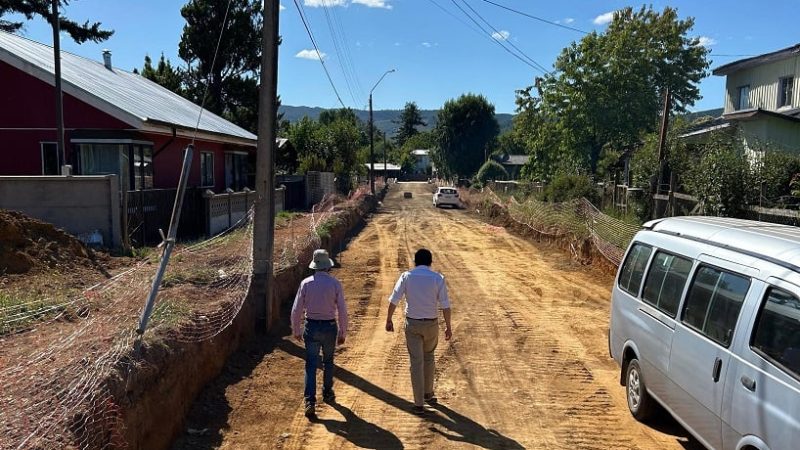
{"x": 115, "y": 122}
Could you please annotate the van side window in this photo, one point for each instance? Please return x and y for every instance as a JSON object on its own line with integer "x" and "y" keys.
{"x": 630, "y": 277}
{"x": 776, "y": 336}
{"x": 713, "y": 303}
{"x": 665, "y": 282}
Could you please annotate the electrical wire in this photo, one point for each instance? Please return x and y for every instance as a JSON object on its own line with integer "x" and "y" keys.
{"x": 531, "y": 16}
{"x": 319, "y": 54}
{"x": 339, "y": 53}
{"x": 464, "y": 22}
{"x": 361, "y": 93}
{"x": 208, "y": 79}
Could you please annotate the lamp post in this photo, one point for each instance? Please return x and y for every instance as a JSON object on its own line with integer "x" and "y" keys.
{"x": 371, "y": 135}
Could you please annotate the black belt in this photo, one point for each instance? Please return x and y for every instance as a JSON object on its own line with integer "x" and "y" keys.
{"x": 421, "y": 319}
{"x": 321, "y": 320}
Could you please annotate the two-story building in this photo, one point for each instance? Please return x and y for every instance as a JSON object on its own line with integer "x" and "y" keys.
{"x": 762, "y": 99}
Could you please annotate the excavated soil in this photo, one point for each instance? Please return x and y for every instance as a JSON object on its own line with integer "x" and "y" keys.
{"x": 527, "y": 367}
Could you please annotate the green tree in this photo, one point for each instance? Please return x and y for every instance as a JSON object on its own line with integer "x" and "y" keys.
{"x": 721, "y": 178}
{"x": 608, "y": 88}
{"x": 79, "y": 32}
{"x": 409, "y": 120}
{"x": 233, "y": 81}
{"x": 465, "y": 129}
{"x": 164, "y": 74}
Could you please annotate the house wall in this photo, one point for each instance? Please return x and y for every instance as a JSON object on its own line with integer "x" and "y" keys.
{"x": 773, "y": 132}
{"x": 78, "y": 204}
{"x": 763, "y": 81}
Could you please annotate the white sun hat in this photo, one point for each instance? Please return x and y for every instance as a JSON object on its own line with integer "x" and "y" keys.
{"x": 321, "y": 260}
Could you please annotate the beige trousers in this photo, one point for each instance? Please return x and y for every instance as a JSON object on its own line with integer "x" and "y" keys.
{"x": 421, "y": 339}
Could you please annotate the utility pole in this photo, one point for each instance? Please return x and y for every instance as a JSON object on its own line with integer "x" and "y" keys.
{"x": 264, "y": 220}
{"x": 385, "y": 168}
{"x": 662, "y": 147}
{"x": 62, "y": 148}
{"x": 371, "y": 136}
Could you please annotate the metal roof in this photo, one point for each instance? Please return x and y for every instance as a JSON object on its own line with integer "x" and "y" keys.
{"x": 420, "y": 152}
{"x": 379, "y": 166}
{"x": 768, "y": 240}
{"x": 734, "y": 66}
{"x": 129, "y": 97}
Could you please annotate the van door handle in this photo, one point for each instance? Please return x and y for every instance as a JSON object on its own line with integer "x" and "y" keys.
{"x": 717, "y": 370}
{"x": 748, "y": 382}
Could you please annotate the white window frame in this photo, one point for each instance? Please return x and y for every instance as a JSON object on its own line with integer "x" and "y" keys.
{"x": 781, "y": 80}
{"x": 202, "y": 177}
{"x": 41, "y": 153}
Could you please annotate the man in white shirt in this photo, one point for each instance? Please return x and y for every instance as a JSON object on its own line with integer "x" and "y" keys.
{"x": 425, "y": 291}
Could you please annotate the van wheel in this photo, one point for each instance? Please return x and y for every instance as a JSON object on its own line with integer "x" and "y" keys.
{"x": 640, "y": 403}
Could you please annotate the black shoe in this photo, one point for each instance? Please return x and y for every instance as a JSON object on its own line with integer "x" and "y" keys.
{"x": 310, "y": 410}
{"x": 329, "y": 398}
{"x": 418, "y": 410}
{"x": 431, "y": 399}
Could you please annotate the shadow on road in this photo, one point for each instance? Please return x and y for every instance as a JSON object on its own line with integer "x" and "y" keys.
{"x": 456, "y": 427}
{"x": 358, "y": 431}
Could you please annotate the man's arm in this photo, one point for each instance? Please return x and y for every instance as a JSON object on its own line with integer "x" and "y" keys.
{"x": 389, "y": 323}
{"x": 298, "y": 308}
{"x": 444, "y": 301}
{"x": 448, "y": 330}
{"x": 341, "y": 307}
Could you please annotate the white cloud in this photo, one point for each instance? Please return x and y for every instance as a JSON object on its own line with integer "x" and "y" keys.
{"x": 569, "y": 20}
{"x": 706, "y": 41}
{"x": 427, "y": 44}
{"x": 324, "y": 3}
{"x": 501, "y": 35}
{"x": 397, "y": 44}
{"x": 373, "y": 3}
{"x": 282, "y": 7}
{"x": 602, "y": 19}
{"x": 310, "y": 54}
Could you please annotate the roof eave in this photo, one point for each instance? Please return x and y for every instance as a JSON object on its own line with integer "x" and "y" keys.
{"x": 158, "y": 126}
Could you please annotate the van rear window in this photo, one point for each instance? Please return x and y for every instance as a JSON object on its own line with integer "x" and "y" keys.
{"x": 665, "y": 282}
{"x": 777, "y": 332}
{"x": 713, "y": 303}
{"x": 630, "y": 276}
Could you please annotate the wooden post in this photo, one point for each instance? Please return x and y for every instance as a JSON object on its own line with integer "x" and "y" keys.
{"x": 662, "y": 144}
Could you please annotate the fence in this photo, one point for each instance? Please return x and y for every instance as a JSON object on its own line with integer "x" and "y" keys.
{"x": 78, "y": 204}
{"x": 150, "y": 210}
{"x": 227, "y": 209}
{"x": 295, "y": 194}
{"x": 319, "y": 185}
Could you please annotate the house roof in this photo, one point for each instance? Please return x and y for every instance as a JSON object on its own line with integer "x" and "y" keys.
{"x": 379, "y": 166}
{"x": 792, "y": 115}
{"x": 129, "y": 97}
{"x": 746, "y": 63}
{"x": 420, "y": 152}
{"x": 516, "y": 160}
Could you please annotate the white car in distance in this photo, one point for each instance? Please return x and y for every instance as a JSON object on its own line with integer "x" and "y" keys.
{"x": 446, "y": 196}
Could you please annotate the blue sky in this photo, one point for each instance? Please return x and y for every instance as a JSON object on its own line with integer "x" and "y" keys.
{"x": 437, "y": 51}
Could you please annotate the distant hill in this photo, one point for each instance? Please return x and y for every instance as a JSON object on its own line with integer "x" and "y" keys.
{"x": 384, "y": 119}
{"x": 692, "y": 116}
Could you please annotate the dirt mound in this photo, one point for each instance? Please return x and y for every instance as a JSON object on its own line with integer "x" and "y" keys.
{"x": 27, "y": 244}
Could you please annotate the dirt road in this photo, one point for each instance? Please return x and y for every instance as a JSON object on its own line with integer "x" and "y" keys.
{"x": 528, "y": 366}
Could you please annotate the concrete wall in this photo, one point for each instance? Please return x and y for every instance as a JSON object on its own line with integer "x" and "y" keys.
{"x": 226, "y": 210}
{"x": 78, "y": 204}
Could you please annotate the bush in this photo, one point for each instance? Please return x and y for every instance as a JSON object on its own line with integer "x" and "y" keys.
{"x": 568, "y": 187}
{"x": 491, "y": 170}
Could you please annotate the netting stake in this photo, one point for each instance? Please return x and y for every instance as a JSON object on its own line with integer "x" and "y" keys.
{"x": 168, "y": 243}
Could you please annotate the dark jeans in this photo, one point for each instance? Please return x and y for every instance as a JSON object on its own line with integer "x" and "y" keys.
{"x": 319, "y": 335}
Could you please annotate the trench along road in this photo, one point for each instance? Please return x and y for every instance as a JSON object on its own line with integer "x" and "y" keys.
{"x": 527, "y": 367}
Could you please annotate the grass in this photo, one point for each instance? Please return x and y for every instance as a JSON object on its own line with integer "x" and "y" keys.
{"x": 19, "y": 309}
{"x": 189, "y": 275}
{"x": 170, "y": 311}
{"x": 283, "y": 218}
{"x": 325, "y": 229}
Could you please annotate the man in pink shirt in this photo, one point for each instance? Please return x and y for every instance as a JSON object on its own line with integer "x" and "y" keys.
{"x": 320, "y": 300}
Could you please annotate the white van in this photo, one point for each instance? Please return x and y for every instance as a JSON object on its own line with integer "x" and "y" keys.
{"x": 705, "y": 321}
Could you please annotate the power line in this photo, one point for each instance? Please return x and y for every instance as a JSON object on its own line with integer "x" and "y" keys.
{"x": 465, "y": 23}
{"x": 319, "y": 54}
{"x": 531, "y": 16}
{"x": 541, "y": 67}
{"x": 348, "y": 55}
{"x": 339, "y": 52}
{"x": 497, "y": 41}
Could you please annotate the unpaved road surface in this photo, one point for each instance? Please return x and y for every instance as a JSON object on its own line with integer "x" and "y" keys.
{"x": 528, "y": 366}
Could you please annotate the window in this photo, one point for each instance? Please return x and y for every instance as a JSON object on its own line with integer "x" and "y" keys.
{"x": 143, "y": 166}
{"x": 207, "y": 169}
{"x": 50, "y": 158}
{"x": 743, "y": 101}
{"x": 785, "y": 91}
{"x": 238, "y": 168}
{"x": 630, "y": 277}
{"x": 665, "y": 281}
{"x": 713, "y": 303}
{"x": 776, "y": 336}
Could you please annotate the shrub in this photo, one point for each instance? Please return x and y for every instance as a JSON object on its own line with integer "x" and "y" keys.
{"x": 491, "y": 170}
{"x": 568, "y": 187}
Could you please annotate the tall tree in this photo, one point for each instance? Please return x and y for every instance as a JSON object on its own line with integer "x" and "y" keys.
{"x": 409, "y": 120}
{"x": 465, "y": 130}
{"x": 164, "y": 74}
{"x": 80, "y": 33}
{"x": 608, "y": 88}
{"x": 232, "y": 82}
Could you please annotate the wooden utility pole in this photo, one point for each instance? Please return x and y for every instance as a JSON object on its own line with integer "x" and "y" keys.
{"x": 662, "y": 148}
{"x": 62, "y": 148}
{"x": 264, "y": 220}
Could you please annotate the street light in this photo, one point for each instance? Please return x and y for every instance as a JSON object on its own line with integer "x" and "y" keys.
{"x": 371, "y": 136}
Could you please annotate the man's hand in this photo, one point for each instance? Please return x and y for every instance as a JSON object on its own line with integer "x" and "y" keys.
{"x": 389, "y": 325}
{"x": 448, "y": 333}
{"x": 340, "y": 340}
